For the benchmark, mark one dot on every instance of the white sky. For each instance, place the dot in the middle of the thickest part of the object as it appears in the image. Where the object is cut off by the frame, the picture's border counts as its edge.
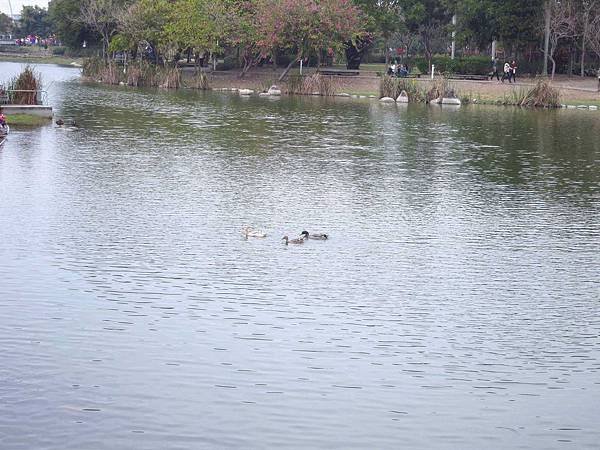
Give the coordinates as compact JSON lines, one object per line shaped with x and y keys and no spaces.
{"x":17,"y":5}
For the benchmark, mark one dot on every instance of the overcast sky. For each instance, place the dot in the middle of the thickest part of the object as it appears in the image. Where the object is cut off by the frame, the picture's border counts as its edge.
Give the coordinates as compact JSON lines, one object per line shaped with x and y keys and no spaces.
{"x":17,"y":5}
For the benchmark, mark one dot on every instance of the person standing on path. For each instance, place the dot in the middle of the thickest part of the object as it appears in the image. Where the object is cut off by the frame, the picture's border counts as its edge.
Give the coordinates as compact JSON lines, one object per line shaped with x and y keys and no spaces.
{"x":495,"y":69}
{"x":513,"y":72}
{"x":506,"y":73}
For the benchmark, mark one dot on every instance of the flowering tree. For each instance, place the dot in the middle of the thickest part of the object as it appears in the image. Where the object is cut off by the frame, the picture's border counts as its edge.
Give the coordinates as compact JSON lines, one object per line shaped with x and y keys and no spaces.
{"x":243,"y":34}
{"x":305,"y":26}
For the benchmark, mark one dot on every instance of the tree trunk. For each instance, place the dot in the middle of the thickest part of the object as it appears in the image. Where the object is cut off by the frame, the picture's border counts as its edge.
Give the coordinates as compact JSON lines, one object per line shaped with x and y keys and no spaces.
{"x":387,"y":51}
{"x":547,"y":16}
{"x":571,"y":61}
{"x":553,"y":65}
{"x":289,"y":67}
{"x":583,"y":42}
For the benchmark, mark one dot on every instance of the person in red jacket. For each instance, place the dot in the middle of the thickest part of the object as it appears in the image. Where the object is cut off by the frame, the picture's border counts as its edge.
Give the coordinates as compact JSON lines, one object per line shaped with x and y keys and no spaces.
{"x":513,"y":66}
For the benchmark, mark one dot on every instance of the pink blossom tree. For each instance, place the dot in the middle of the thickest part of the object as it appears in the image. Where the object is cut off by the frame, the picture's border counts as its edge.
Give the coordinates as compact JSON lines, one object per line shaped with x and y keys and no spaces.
{"x":305,"y":27}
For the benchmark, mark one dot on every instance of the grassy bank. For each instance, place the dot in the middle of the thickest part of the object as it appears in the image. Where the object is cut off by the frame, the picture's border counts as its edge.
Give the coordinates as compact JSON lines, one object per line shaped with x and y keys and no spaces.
{"x":27,"y":120}
{"x":59,"y":60}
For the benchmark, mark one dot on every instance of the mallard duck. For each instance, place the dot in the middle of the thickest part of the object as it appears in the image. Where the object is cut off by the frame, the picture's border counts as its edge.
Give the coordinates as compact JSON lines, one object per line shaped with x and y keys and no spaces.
{"x":292,"y":241}
{"x":249,"y":232}
{"x":316,"y":236}
{"x":60,"y":122}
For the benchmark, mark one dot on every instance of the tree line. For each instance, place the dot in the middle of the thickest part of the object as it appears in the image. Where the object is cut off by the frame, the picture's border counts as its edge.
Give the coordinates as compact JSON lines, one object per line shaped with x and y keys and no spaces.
{"x":561,"y":34}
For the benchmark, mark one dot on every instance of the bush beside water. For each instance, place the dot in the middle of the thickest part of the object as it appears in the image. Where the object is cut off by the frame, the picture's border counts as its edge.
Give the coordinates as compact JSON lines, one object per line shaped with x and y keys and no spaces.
{"x":392,"y":87}
{"x":139,"y":74}
{"x":28,"y":80}
{"x":312,"y":84}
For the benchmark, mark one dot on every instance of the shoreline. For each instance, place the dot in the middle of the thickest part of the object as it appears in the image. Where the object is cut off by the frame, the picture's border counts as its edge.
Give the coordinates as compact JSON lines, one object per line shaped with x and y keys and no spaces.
{"x":574,"y":91}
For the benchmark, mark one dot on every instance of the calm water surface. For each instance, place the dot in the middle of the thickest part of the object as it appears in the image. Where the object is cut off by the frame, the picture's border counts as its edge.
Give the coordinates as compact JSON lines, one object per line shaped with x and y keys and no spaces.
{"x":456,"y":305}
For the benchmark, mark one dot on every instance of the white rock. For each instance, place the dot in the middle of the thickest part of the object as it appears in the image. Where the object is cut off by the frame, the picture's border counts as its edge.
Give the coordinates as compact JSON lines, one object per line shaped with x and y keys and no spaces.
{"x":582,"y":106}
{"x":593,"y":107}
{"x":571,"y":106}
{"x":387,"y":100}
{"x":264,"y":94}
{"x":402,"y":98}
{"x":274,"y":90}
{"x":450,"y":101}
{"x":246,"y":91}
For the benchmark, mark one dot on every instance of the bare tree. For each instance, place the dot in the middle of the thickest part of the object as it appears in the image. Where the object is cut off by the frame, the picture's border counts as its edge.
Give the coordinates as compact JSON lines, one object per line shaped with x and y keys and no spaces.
{"x":101,"y":16}
{"x":563,"y":25}
{"x":588,"y":11}
{"x":594,"y":39}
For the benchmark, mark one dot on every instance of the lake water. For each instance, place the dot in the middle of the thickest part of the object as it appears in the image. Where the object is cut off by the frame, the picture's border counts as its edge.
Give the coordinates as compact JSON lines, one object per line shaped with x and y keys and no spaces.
{"x":456,"y":305}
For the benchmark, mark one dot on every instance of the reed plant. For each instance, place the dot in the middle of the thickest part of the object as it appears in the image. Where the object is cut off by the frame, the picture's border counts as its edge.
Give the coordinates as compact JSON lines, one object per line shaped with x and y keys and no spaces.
{"x":312,"y":84}
{"x":200,"y":81}
{"x":393,"y":87}
{"x":169,"y":77}
{"x":25,"y":87}
{"x":440,"y":88}
{"x":542,"y":95}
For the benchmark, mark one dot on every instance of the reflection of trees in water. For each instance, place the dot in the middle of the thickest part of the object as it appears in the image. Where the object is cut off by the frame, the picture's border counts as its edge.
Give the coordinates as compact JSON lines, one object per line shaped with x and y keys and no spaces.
{"x":553,"y":149}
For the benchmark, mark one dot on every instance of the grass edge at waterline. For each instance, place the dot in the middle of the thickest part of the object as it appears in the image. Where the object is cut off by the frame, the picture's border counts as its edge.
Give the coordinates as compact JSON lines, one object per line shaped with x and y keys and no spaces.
{"x":27,"y":120}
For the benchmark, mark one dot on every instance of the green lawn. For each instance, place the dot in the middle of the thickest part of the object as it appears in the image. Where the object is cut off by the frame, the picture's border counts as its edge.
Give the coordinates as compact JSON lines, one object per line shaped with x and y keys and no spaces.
{"x":60,"y":60}
{"x":26,"y":119}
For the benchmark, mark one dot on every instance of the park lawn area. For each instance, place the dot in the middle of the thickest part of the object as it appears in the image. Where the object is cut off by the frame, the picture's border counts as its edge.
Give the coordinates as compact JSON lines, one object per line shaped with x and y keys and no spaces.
{"x":59,"y":60}
{"x":27,"y":119}
{"x":371,"y":67}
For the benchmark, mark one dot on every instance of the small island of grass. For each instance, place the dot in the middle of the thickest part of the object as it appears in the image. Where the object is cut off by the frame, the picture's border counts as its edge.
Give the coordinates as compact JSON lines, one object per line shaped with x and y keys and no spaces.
{"x":27,"y":120}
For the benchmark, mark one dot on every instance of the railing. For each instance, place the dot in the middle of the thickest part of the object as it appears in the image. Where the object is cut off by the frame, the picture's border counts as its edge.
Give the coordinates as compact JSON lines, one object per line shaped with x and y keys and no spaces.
{"x":23,"y":97}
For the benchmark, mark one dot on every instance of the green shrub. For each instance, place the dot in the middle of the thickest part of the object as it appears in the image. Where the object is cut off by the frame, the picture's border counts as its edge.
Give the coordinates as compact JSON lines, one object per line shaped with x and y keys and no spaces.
{"x":58,"y":51}
{"x":229,"y":62}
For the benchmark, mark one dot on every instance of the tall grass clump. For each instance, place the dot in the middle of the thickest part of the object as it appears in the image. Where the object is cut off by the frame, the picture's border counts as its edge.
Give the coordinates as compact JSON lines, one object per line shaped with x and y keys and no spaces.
{"x":440,"y":88}
{"x":28,"y":80}
{"x":98,"y":69}
{"x":169,"y":77}
{"x":393,"y":87}
{"x":542,"y":95}
{"x":312,"y":84}
{"x":199,"y":81}
{"x":91,"y":67}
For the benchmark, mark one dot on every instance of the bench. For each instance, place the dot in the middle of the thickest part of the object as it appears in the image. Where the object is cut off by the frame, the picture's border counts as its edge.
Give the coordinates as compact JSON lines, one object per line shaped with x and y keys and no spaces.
{"x":339,"y":72}
{"x":468,"y":77}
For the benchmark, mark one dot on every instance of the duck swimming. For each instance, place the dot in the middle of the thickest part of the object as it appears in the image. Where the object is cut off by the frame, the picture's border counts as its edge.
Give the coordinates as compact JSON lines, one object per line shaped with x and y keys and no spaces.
{"x":292,"y":241}
{"x":60,"y":122}
{"x":315,"y":236}
{"x":249,"y":232}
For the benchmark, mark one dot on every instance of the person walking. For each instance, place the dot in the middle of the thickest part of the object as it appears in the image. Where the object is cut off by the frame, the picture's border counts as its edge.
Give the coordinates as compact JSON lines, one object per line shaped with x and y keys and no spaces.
{"x":495,"y":69}
{"x":513,"y":70}
{"x":506,"y":74}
